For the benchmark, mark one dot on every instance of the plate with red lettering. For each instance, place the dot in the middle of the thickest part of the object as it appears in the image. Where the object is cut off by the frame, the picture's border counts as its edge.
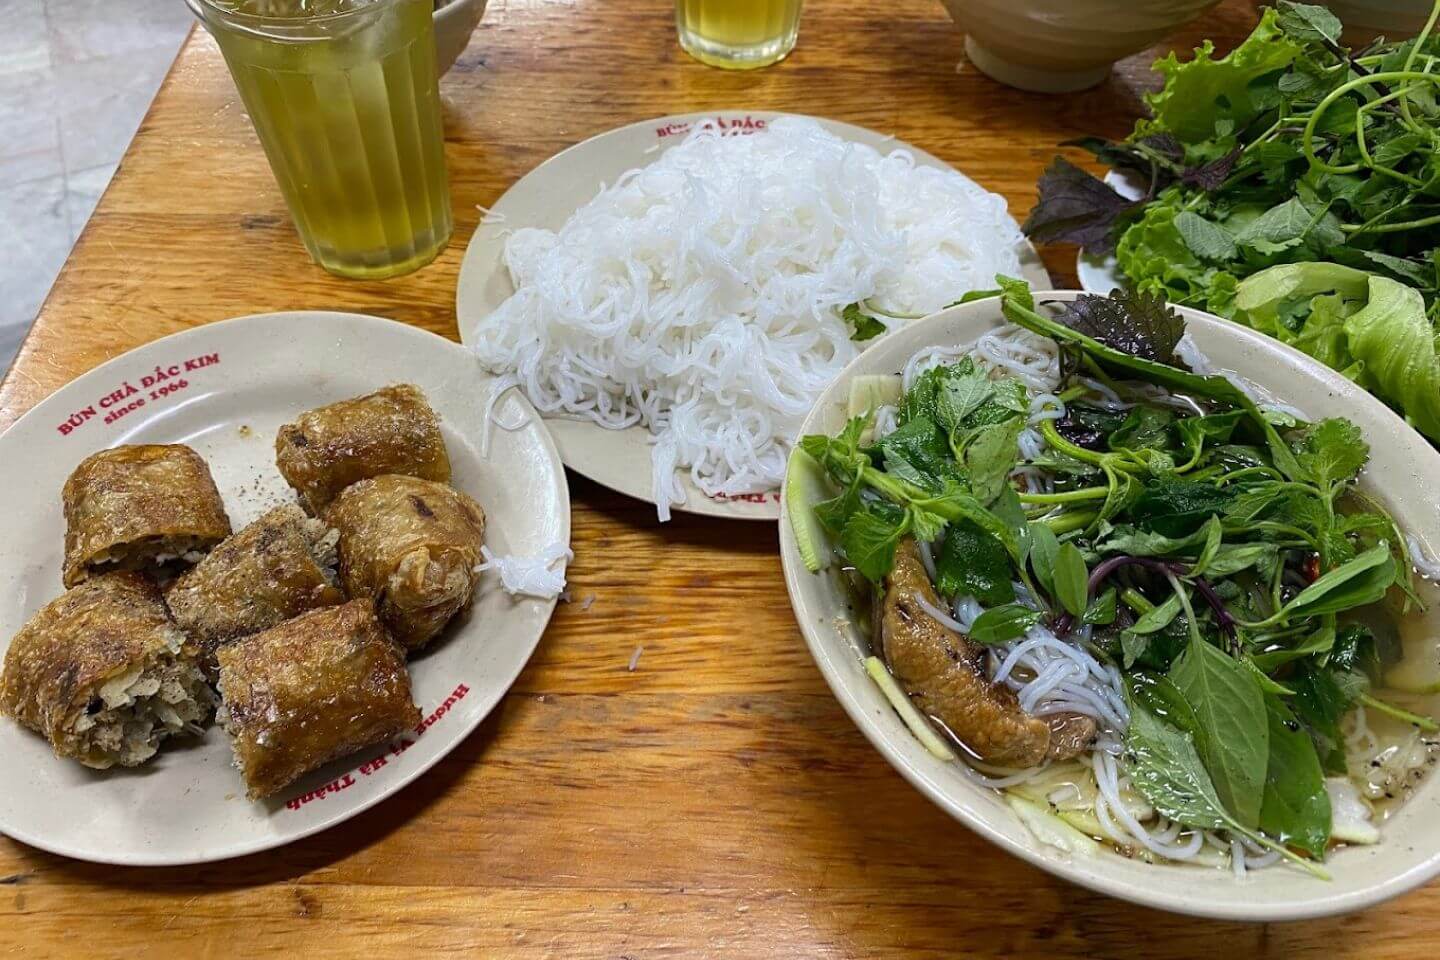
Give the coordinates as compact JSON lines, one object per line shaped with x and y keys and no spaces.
{"x":224,"y":389}
{"x":546,"y":197}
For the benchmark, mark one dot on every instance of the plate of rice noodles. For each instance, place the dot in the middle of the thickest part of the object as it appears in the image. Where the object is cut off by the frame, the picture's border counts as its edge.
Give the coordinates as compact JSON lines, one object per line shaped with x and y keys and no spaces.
{"x":1139,"y":595}
{"x":673,"y":295}
{"x":262,"y":575}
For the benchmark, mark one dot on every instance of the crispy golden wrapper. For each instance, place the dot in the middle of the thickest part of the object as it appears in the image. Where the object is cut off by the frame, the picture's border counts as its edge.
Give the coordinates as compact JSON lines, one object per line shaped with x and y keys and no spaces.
{"x":392,"y":430}
{"x":412,"y":545}
{"x":310,"y":691}
{"x":103,"y":674}
{"x":276,"y":568}
{"x":133,"y":507}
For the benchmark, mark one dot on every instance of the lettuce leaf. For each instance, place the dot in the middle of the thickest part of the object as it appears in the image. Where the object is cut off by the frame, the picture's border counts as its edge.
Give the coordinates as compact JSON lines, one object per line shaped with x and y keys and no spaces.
{"x":1205,"y":91}
{"x":1371,"y":328}
{"x":1394,"y":341}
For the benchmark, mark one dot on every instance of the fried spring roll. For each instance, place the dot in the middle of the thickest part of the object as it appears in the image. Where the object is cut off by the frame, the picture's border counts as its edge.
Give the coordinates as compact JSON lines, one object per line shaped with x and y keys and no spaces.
{"x":412,"y":546}
{"x":134,"y":507}
{"x":309,"y":691}
{"x":393,"y":430}
{"x":276,"y":568}
{"x":103,"y":674}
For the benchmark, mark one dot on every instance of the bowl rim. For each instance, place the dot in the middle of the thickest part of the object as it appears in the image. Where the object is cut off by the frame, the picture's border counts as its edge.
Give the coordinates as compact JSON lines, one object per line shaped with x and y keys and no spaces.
{"x":1093,"y":873}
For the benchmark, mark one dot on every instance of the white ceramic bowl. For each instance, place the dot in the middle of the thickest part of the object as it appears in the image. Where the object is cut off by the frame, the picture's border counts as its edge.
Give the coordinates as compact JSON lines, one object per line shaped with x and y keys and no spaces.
{"x":455,"y":20}
{"x":1056,"y":46}
{"x":1402,"y":473}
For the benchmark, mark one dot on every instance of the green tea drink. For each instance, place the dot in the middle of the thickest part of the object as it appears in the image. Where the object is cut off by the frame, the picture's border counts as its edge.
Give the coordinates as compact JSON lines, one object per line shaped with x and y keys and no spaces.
{"x":343,"y":95}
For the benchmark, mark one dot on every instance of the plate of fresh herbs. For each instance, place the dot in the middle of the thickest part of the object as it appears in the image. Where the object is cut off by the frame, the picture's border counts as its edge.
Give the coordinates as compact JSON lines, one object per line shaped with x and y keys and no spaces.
{"x":1293,"y":186}
{"x":1132,"y":592}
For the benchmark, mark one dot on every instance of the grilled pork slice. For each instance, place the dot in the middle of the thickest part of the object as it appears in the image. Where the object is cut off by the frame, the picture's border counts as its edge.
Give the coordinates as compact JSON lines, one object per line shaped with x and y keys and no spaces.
{"x":103,"y":674}
{"x":945,"y":674}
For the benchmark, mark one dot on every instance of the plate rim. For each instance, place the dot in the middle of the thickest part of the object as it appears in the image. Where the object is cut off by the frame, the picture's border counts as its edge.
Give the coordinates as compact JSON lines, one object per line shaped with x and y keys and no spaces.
{"x":1032,"y":266}
{"x":956,"y":804}
{"x":410,"y":774}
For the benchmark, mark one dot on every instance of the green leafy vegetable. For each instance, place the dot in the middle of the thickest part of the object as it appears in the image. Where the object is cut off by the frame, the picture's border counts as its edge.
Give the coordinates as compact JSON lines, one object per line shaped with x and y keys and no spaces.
{"x":1000,"y":625}
{"x":862,"y":325}
{"x":1232,"y":734}
{"x":973,"y":563}
{"x":1071,"y":579}
{"x":1296,"y":808}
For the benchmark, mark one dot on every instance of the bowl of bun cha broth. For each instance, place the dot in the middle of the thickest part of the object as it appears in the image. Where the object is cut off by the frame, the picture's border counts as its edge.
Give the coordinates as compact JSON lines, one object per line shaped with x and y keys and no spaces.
{"x":1122,"y":747}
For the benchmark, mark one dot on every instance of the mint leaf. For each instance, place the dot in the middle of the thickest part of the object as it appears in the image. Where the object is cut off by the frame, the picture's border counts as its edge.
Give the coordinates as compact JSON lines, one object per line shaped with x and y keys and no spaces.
{"x":1309,"y":23}
{"x":1207,"y":240}
{"x":991,"y":457}
{"x":972,"y":563}
{"x":871,"y":536}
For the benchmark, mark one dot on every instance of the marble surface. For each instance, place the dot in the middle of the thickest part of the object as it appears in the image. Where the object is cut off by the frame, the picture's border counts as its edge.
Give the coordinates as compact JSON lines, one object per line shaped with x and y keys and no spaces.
{"x":76,"y":77}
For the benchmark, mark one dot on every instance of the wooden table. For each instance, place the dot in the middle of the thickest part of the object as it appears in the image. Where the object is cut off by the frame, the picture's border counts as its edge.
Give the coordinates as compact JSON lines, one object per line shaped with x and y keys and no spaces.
{"x":716,"y":801}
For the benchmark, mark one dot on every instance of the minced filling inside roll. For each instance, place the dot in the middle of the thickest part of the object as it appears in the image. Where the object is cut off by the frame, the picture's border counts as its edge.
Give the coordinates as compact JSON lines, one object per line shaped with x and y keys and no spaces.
{"x":131,"y":713}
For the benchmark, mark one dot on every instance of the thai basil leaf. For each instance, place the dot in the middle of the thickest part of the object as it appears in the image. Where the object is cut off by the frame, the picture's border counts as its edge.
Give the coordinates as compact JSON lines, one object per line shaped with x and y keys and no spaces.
{"x":1361,"y":581}
{"x":1102,"y":610}
{"x":1044,"y":547}
{"x":1295,"y":809}
{"x":1071,"y":579}
{"x":1000,"y":625}
{"x":1233,"y":735}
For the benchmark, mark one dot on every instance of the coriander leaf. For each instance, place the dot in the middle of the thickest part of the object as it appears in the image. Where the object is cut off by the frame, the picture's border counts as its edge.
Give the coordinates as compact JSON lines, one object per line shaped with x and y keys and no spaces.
{"x":1000,"y":625}
{"x":1136,"y":324}
{"x":862,"y":326}
{"x":973,"y":563}
{"x":1232,"y":736}
{"x":1071,"y":579}
{"x":871,"y":536}
{"x":1044,"y":548}
{"x":1075,"y":207}
{"x":1207,"y":240}
{"x":990,"y":457}
{"x":1331,"y":452}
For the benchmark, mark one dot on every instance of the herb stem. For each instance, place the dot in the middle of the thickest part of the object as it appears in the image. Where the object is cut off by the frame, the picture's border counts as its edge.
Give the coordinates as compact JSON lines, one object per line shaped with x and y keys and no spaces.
{"x":1069,"y":496}
{"x":1389,"y":709}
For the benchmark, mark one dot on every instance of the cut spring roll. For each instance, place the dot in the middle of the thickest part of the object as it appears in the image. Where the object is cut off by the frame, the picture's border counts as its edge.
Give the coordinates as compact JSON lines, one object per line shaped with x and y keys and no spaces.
{"x":393,"y":430}
{"x":136,"y":507}
{"x":103,"y":674}
{"x":412,"y":546}
{"x":276,"y":568}
{"x":312,"y":690}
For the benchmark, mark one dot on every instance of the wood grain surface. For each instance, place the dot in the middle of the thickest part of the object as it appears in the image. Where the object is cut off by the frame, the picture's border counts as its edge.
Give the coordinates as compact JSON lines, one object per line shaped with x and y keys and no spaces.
{"x":716,"y":801}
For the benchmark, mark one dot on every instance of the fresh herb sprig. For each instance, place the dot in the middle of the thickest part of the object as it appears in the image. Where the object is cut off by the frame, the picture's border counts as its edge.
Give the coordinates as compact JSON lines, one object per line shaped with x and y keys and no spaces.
{"x":1292,"y":185}
{"x":1217,"y":552}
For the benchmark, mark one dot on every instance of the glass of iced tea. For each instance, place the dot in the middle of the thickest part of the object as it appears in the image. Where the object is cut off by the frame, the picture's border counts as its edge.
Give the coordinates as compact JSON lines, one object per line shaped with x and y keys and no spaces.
{"x":344,"y":98}
{"x":738,"y":34}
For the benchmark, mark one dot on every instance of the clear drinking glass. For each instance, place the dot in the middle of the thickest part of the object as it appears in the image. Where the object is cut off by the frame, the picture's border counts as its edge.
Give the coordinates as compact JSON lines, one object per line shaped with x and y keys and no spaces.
{"x":344,"y":97}
{"x":738,"y":34}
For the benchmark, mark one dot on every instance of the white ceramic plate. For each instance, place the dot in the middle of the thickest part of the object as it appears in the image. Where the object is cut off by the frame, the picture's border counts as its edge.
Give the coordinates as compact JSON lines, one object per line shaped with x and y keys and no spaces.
{"x":1401,"y":473}
{"x":545,"y":198}
{"x":232,"y":385}
{"x":1102,"y":274}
